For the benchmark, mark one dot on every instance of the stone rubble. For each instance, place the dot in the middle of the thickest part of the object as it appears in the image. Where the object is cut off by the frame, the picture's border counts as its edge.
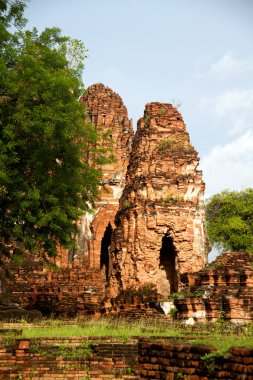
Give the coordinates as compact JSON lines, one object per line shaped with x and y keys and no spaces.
{"x":221,"y":291}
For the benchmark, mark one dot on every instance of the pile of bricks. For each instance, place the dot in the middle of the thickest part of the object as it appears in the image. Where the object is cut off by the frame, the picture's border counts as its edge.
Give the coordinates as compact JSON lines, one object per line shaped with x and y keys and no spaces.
{"x":136,"y":307}
{"x":224,"y":287}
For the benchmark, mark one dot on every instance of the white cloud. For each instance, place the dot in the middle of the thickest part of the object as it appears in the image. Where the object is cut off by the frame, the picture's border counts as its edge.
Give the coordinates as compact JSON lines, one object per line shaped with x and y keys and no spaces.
{"x":232,"y":110}
{"x":229,"y":166}
{"x":241,"y":123}
{"x":233,"y":100}
{"x":228,"y":66}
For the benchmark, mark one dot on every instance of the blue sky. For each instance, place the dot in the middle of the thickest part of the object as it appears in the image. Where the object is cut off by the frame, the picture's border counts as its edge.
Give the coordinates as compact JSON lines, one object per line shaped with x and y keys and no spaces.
{"x":197,"y":53}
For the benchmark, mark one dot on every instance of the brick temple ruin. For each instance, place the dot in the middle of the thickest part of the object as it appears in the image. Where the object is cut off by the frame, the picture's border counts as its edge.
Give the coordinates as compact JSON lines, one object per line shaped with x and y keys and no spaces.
{"x":106,"y":111}
{"x":147,"y":228}
{"x":160,"y":226}
{"x":153,"y":192}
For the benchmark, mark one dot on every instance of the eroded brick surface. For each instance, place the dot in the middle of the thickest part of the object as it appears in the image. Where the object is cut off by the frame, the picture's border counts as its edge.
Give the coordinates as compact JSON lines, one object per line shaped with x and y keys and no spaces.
{"x":160,"y":231}
{"x":67,"y":292}
{"x":223,"y":289}
{"x":52,"y":358}
{"x":59,"y":359}
{"x":184,"y":361}
{"x":107,"y":112}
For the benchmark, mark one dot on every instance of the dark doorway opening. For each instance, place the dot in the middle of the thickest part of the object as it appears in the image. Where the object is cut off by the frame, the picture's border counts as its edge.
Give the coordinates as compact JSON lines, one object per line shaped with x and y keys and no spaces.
{"x":71,"y":254}
{"x":168,"y":261}
{"x":105,"y":250}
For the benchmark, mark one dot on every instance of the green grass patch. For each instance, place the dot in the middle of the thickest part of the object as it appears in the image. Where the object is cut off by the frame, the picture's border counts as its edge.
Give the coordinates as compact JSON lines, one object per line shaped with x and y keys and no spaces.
{"x":66,"y":352}
{"x":99,"y":328}
{"x":220,"y":335}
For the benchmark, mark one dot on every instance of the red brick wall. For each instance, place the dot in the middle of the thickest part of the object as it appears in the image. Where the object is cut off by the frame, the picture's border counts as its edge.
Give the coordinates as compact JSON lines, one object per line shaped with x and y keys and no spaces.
{"x":225,"y":285}
{"x":172,"y":361}
{"x":66,"y":292}
{"x":110,"y":359}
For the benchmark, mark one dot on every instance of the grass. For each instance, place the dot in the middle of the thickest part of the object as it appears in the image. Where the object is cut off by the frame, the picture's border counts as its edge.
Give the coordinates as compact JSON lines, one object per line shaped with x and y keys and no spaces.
{"x":99,"y":328}
{"x":220,"y":335}
{"x":65,"y":351}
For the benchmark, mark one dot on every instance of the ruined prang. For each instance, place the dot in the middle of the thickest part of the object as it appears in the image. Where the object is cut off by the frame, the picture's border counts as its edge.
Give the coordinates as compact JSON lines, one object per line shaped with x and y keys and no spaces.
{"x":106,"y":111}
{"x":160,"y":226}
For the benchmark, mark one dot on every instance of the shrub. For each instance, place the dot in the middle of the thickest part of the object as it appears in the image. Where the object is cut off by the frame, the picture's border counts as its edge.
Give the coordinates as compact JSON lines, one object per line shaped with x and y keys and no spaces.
{"x":127,"y":204}
{"x":174,"y":145}
{"x":173,"y":313}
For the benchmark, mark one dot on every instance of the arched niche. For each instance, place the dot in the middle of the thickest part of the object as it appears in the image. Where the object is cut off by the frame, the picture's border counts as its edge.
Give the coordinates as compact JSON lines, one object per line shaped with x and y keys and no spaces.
{"x":105,"y":251}
{"x":168,"y":264}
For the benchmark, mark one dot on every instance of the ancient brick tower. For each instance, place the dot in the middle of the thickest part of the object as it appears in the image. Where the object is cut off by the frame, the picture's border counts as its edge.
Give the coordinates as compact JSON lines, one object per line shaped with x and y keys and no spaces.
{"x":107,"y":111}
{"x":160,"y":231}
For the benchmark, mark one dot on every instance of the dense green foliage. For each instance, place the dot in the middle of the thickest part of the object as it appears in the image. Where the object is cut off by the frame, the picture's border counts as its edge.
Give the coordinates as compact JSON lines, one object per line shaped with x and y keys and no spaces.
{"x":230,"y":220}
{"x":49,"y":172}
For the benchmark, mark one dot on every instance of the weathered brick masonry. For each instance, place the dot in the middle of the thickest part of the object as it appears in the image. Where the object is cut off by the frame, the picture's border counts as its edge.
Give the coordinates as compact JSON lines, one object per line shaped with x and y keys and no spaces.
{"x":78,"y":287}
{"x":67,"y":292}
{"x":153,"y":192}
{"x":171,"y":361}
{"x":113,"y":359}
{"x":224,"y":288}
{"x":42,"y":359}
{"x":160,"y":226}
{"x":107,"y":112}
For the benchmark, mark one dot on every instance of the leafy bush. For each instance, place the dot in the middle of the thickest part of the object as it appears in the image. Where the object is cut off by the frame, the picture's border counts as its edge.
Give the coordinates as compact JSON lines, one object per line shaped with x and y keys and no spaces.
{"x":173,"y":313}
{"x":175,"y":145}
{"x":230,"y":221}
{"x":127,"y":204}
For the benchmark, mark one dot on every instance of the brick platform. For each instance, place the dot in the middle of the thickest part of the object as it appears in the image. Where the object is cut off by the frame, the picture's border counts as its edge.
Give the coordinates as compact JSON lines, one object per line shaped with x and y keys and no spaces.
{"x":111,"y":358}
{"x":172,"y":361}
{"x":34,"y":359}
{"x":224,"y":287}
{"x":67,"y":292}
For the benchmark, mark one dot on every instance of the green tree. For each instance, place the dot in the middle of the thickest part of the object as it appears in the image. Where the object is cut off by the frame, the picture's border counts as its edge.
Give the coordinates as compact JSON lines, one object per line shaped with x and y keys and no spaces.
{"x":230,"y":220}
{"x":47,"y":178}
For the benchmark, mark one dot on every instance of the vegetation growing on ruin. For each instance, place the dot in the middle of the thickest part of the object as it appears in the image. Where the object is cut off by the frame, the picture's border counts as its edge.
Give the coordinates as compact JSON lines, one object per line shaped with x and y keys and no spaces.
{"x":162,"y":112}
{"x":126,"y":204}
{"x":145,"y":290}
{"x":221,"y":334}
{"x":66,"y":352}
{"x":172,"y":198}
{"x":174,"y":145}
{"x":186,"y":294}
